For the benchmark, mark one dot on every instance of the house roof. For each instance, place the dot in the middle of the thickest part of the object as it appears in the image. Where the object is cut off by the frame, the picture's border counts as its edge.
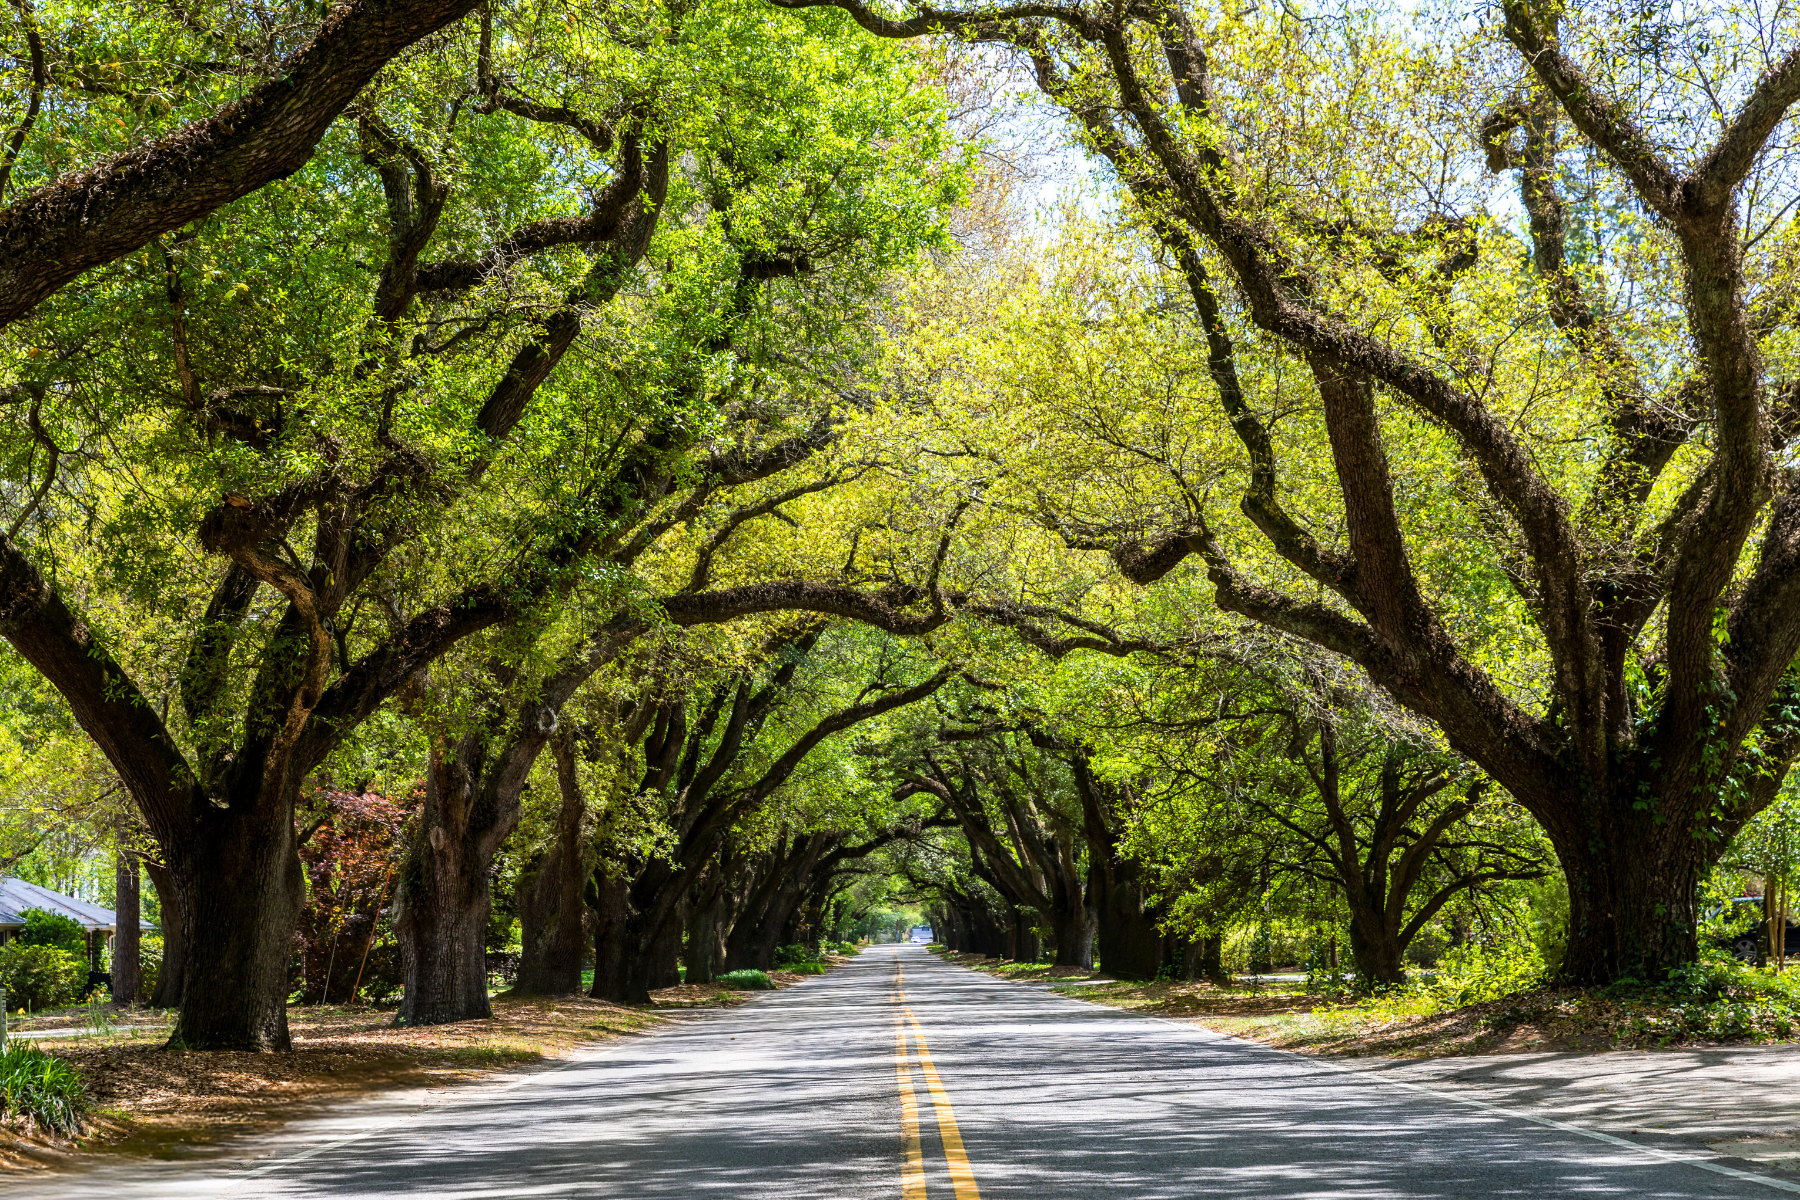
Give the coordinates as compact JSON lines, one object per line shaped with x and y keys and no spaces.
{"x":16,"y":896}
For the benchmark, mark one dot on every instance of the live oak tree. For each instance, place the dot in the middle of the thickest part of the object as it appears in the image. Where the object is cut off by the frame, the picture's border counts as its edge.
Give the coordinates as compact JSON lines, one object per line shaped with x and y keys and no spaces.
{"x":380,"y":377}
{"x":1599,"y":395}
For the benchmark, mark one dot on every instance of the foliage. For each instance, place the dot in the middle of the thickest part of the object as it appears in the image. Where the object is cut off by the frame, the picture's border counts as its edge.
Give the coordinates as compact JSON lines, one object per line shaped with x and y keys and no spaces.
{"x":805,"y":968}
{"x":1473,"y":973}
{"x":44,"y":928}
{"x":150,"y":957}
{"x":38,"y":977}
{"x":749,"y":979}
{"x":786,"y":956}
{"x":350,"y":855}
{"x":42,"y":1089}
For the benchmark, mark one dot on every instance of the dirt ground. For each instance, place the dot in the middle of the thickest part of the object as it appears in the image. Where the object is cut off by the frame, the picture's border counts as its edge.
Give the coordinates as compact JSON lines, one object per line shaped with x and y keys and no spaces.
{"x":150,"y":1100}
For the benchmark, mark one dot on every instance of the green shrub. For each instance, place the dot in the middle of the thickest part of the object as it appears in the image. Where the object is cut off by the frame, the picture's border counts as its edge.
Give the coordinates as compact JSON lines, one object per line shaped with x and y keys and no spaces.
{"x":40,"y":976}
{"x":788,"y":955}
{"x":150,"y":956}
{"x":1472,"y":973}
{"x":53,"y":929}
{"x":750,"y":980}
{"x":842,"y":948}
{"x":806,"y":968}
{"x":43,"y":1088}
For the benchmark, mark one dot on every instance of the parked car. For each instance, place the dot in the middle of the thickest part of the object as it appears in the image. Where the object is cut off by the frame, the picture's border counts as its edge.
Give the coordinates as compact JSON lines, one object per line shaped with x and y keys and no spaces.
{"x":1752,"y":945}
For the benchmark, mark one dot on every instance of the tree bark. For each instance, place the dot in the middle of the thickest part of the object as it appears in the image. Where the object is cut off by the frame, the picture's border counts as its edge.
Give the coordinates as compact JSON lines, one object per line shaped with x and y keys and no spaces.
{"x":1632,"y":906}
{"x":441,"y":909}
{"x":1126,"y":935}
{"x":701,"y":951}
{"x":1378,"y":955}
{"x":610,"y":898}
{"x":127,"y":966}
{"x":167,"y":993}
{"x":550,"y":909}
{"x":758,"y":931}
{"x":240,"y":889}
{"x":1074,"y":927}
{"x":1204,"y":958}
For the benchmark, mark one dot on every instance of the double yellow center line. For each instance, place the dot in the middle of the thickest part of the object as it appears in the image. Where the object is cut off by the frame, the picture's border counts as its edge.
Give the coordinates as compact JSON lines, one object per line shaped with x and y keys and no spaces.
{"x":912,"y":1173}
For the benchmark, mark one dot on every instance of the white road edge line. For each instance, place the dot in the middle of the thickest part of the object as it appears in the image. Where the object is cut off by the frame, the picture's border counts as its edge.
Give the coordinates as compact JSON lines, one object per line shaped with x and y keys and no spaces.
{"x":1705,"y":1164}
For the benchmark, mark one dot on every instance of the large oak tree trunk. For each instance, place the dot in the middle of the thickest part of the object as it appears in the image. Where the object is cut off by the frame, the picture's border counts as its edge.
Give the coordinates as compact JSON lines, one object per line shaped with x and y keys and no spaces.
{"x":709,"y":924}
{"x":441,"y":920}
{"x":240,"y":889}
{"x":441,"y":910}
{"x":665,"y":957}
{"x":1374,"y":949}
{"x":1126,"y":926}
{"x":1025,"y":944}
{"x":610,"y":898}
{"x":551,"y":938}
{"x":1204,"y":958}
{"x":1632,"y":908}
{"x":1074,"y":927}
{"x":637,"y":937}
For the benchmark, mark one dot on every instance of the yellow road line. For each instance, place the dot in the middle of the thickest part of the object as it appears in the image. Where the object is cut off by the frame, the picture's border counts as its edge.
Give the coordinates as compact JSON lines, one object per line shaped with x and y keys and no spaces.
{"x":962,"y":1175}
{"x":912,"y":1175}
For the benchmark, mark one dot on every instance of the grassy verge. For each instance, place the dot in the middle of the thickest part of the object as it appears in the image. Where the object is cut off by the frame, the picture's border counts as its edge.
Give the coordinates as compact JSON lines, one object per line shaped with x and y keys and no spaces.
{"x":1715,"y":1003}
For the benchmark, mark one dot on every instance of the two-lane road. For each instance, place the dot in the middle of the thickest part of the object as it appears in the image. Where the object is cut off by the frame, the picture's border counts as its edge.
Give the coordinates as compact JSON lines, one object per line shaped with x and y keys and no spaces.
{"x":898,"y":1076}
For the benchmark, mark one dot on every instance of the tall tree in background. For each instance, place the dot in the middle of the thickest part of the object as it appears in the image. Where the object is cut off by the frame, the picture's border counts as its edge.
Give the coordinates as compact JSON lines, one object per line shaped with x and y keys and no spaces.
{"x":1329,"y":172}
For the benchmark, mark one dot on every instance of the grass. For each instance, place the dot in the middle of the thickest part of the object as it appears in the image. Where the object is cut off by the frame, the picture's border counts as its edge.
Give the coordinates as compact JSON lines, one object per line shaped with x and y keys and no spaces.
{"x":805,"y":968}
{"x":42,"y":1089}
{"x":1472,"y":1007}
{"x":748,"y":979}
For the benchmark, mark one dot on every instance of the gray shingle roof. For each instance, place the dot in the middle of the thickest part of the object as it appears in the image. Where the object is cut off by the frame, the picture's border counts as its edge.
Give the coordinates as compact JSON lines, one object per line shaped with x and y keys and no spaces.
{"x":16,"y":896}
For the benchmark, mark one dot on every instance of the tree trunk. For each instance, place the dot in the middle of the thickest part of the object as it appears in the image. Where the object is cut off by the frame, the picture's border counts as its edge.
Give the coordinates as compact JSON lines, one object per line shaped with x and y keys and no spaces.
{"x":441,"y":910}
{"x":1204,"y":958}
{"x":127,"y":967}
{"x":240,"y":888}
{"x":1025,"y":943}
{"x":707,"y":928}
{"x":610,"y":898}
{"x":1375,"y":951}
{"x":1126,"y":935}
{"x":550,"y":909}
{"x":1632,"y":906}
{"x":1074,"y":927}
{"x":167,"y":993}
{"x":665,"y":957}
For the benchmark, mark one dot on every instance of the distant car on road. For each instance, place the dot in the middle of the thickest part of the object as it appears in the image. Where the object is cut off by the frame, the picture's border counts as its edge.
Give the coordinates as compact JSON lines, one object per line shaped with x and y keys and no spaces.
{"x":921,"y":933}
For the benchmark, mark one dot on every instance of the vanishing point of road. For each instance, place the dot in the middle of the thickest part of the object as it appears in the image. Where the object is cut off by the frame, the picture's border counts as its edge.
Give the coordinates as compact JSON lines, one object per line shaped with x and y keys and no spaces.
{"x":902,"y":1077}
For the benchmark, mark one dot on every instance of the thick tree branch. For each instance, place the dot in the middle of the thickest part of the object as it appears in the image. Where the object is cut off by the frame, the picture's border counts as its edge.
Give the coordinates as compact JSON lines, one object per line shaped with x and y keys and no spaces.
{"x":81,"y":221}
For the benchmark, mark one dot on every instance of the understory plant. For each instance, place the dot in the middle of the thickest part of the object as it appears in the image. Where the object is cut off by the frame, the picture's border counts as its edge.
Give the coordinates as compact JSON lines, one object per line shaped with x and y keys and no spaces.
{"x":38,"y":977}
{"x":748,"y":979}
{"x":43,"y":1090}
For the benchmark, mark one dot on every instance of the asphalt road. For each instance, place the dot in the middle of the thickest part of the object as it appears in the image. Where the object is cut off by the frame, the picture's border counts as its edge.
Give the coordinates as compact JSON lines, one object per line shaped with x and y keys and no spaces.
{"x":898,"y":1076}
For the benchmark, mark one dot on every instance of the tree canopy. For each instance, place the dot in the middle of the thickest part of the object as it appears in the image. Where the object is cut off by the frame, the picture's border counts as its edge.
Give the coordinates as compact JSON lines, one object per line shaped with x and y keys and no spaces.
{"x":656,"y":461}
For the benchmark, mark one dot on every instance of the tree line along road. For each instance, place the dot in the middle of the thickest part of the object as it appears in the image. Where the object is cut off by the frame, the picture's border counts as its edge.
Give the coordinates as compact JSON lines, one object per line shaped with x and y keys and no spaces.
{"x":900,"y":1075}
